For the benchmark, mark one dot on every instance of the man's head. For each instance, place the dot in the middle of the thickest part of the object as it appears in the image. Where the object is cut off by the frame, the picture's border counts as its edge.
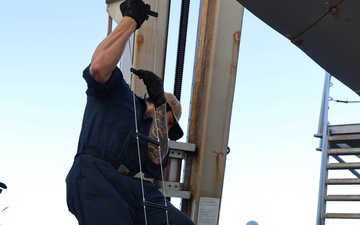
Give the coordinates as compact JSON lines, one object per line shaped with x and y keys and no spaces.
{"x":173,"y":103}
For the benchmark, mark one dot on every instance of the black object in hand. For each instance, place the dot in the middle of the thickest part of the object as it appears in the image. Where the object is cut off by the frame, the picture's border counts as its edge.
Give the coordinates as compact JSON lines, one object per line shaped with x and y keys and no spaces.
{"x":154,"y":86}
{"x":137,"y":10}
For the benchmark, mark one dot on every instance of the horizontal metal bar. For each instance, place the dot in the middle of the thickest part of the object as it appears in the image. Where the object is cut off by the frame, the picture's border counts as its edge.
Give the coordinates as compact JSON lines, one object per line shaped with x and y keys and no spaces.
{"x":344,"y":151}
{"x":155,"y":205}
{"x":344,"y":129}
{"x":177,"y":186}
{"x":342,"y":215}
{"x":343,"y":181}
{"x":187,"y":147}
{"x":146,"y":138}
{"x":340,"y":160}
{"x":344,"y":137}
{"x":342,"y":198}
{"x":176,"y":194}
{"x":111,"y":1}
{"x":335,"y":166}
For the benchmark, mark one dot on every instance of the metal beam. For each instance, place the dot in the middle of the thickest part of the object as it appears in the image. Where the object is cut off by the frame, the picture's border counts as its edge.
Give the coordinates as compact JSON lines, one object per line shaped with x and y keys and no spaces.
{"x":149,"y":42}
{"x":328,"y":32}
{"x":212,"y":97}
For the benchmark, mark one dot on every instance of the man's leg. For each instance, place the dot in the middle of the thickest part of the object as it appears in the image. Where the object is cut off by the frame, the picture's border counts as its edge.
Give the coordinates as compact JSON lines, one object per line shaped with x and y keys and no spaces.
{"x":99,"y":194}
{"x":157,"y":216}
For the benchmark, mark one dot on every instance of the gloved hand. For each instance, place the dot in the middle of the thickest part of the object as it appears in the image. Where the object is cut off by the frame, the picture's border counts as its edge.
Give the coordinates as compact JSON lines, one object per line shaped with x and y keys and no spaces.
{"x":154,"y":86}
{"x":136,"y":9}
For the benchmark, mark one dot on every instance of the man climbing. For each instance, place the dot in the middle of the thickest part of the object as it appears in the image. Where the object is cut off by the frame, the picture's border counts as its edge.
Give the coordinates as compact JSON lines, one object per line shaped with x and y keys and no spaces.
{"x":111,"y":179}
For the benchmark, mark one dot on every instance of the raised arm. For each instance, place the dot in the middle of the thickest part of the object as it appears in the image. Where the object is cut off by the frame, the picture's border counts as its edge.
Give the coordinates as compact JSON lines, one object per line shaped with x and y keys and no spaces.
{"x":158,"y":131}
{"x":109,"y":51}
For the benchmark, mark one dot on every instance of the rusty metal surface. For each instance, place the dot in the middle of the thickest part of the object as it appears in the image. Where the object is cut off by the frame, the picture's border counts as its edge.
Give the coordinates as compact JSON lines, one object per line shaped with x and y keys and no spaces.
{"x":149,"y":42}
{"x":327,"y":31}
{"x":212,"y":96}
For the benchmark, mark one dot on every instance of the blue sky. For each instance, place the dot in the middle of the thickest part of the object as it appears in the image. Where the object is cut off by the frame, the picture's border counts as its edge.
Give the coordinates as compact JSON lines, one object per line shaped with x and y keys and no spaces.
{"x":272,"y":171}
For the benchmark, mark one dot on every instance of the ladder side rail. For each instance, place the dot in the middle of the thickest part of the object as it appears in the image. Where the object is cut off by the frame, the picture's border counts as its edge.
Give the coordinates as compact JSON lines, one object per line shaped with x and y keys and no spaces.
{"x":323,"y":128}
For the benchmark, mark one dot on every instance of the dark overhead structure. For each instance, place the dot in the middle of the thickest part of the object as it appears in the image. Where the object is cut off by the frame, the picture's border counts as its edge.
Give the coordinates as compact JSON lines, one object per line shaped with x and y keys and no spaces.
{"x":327,"y":31}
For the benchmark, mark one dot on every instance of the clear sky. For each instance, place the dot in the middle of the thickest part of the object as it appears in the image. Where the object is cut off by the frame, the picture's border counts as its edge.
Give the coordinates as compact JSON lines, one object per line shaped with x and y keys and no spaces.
{"x":272,"y":171}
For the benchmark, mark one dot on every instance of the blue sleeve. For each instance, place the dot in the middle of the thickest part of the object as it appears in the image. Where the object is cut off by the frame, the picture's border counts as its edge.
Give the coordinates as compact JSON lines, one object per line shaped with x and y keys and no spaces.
{"x":95,"y":88}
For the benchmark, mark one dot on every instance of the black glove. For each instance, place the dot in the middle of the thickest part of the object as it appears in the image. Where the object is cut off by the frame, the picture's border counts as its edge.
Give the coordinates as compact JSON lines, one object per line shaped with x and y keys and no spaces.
{"x":154,"y":86}
{"x":136,"y":9}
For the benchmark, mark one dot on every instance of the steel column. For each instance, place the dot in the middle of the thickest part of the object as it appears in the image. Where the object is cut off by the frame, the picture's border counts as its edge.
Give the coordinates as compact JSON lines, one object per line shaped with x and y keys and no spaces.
{"x":150,"y":44}
{"x":212,"y":97}
{"x":148,"y":48}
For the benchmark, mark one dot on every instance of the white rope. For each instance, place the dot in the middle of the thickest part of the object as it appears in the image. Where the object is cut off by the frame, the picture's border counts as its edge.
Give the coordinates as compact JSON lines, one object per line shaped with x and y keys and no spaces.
{"x":157,"y":131}
{"x":136,"y":128}
{"x":139,"y":158}
{"x":160,"y":155}
{"x":162,"y":173}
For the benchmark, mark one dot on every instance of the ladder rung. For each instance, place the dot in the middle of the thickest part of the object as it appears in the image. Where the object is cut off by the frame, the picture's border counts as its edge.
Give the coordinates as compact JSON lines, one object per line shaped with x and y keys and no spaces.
{"x":344,"y":181}
{"x":344,"y":137}
{"x":342,"y":215}
{"x":344,"y":151}
{"x":343,"y":166}
{"x":146,"y":138}
{"x":155,"y":205}
{"x":342,"y":198}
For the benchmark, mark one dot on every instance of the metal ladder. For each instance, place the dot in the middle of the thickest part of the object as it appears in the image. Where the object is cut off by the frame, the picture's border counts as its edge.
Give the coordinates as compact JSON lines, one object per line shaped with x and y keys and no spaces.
{"x":339,"y":186}
{"x":177,"y":174}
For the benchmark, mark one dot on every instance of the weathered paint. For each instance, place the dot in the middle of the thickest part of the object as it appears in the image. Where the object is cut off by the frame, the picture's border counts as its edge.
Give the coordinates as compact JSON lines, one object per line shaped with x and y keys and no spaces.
{"x":212,"y":95}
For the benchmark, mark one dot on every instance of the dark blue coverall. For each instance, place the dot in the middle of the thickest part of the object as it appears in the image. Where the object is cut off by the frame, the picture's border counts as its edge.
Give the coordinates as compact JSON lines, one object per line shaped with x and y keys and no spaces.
{"x":97,"y":193}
